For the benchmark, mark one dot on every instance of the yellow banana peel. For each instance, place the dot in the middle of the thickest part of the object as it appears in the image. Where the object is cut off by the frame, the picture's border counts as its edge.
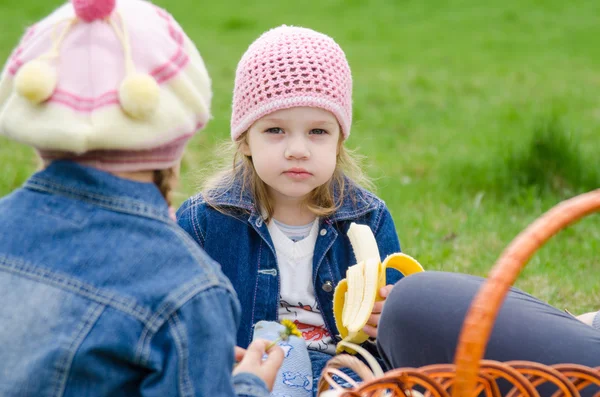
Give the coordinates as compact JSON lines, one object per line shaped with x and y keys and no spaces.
{"x":355,"y":296}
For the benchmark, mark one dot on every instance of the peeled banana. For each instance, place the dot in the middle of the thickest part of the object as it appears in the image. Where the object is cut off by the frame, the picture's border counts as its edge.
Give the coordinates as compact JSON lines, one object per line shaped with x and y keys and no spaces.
{"x":355,"y":296}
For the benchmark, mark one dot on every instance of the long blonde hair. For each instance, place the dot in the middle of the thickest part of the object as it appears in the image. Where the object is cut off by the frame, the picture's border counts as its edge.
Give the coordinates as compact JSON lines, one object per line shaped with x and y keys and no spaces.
{"x":322,"y":201}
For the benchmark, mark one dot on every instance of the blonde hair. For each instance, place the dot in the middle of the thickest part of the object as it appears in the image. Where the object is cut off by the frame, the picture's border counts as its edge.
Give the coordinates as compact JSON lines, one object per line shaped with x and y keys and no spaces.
{"x":166,"y":180}
{"x":322,"y":201}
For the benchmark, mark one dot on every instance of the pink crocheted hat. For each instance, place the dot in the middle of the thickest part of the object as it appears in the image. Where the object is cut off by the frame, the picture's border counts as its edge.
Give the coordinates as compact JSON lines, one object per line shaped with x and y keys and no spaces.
{"x":288,"y":67}
{"x":115,"y":84}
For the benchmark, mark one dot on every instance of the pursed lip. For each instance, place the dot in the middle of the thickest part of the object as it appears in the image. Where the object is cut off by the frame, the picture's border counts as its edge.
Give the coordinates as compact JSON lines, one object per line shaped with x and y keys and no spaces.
{"x":297,"y":170}
{"x":296,"y":173}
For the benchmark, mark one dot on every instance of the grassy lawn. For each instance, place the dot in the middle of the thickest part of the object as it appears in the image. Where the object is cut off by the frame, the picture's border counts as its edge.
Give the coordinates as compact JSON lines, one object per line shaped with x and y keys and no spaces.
{"x":474,"y":118}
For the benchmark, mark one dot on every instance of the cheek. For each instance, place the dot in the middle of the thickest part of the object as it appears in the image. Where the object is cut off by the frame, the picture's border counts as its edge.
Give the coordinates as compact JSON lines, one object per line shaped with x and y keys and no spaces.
{"x":256,"y":149}
{"x":263,"y":163}
{"x":329,"y":160}
{"x":261,"y":166}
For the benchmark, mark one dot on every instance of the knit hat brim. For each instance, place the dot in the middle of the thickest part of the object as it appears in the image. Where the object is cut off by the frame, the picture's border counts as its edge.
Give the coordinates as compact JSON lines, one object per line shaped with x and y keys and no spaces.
{"x":280,"y":103}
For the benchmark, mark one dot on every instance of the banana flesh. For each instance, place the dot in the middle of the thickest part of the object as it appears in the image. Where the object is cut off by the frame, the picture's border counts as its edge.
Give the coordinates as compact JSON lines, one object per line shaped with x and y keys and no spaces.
{"x":355,"y":296}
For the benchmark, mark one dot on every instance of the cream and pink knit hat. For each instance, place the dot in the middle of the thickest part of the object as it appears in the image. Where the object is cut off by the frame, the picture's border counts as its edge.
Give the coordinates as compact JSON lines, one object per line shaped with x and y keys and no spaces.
{"x":288,"y":67}
{"x":115,"y":84}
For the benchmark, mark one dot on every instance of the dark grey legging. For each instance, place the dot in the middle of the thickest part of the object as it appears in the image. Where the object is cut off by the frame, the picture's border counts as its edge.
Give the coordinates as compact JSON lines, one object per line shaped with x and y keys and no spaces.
{"x":423,"y":316}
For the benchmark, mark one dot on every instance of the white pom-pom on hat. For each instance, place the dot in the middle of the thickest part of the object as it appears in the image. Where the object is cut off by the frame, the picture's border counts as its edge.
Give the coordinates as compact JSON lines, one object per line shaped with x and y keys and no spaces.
{"x":36,"y":81}
{"x":139,"y":95}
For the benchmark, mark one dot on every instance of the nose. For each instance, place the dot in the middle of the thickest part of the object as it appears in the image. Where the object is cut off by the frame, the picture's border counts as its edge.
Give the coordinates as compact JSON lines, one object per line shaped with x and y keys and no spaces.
{"x":297,"y":148}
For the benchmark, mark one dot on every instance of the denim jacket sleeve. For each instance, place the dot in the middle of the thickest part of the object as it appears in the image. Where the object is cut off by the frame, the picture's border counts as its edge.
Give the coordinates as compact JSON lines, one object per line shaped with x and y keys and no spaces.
{"x":193,"y":351}
{"x":186,"y":218}
{"x":387,"y":241}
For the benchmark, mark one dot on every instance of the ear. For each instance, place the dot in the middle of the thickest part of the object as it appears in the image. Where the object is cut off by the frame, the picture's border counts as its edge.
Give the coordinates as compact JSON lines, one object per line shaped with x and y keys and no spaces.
{"x":245,"y":148}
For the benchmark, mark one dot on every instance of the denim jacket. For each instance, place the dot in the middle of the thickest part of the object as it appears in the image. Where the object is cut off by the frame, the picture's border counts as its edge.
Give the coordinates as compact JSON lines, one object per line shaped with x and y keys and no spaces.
{"x":241,"y":243}
{"x":104,"y":295}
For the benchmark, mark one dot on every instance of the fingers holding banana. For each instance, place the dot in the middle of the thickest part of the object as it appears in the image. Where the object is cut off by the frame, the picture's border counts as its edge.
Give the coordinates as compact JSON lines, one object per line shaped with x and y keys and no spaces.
{"x":373,"y":321}
{"x":384,"y":292}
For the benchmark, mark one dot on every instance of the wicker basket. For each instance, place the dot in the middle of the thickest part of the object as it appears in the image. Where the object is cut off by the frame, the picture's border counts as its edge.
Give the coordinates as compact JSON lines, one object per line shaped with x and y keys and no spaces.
{"x":470,"y":375}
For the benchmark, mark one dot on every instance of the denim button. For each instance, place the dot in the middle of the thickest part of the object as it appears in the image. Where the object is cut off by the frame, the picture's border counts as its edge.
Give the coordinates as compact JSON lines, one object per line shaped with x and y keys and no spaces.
{"x":323,"y":232}
{"x":259,"y":222}
{"x":327,"y":286}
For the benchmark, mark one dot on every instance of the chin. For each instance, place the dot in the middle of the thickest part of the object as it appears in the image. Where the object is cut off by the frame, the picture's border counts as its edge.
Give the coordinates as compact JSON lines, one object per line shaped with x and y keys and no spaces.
{"x":296,"y":194}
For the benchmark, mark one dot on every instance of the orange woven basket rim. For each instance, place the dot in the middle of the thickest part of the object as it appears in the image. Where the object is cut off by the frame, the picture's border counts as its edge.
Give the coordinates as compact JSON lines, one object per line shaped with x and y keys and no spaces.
{"x":484,"y":309}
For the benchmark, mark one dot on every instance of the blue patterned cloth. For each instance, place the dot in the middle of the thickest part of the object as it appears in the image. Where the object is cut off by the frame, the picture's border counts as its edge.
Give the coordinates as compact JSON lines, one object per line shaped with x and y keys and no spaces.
{"x":295,"y":377}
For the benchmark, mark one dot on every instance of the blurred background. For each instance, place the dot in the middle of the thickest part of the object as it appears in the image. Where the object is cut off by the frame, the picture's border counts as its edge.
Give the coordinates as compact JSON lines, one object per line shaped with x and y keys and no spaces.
{"x":473,"y":117}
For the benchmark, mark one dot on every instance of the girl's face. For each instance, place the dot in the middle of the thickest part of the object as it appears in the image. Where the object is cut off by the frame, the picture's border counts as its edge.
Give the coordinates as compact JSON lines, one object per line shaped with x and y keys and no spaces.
{"x":293,"y":150}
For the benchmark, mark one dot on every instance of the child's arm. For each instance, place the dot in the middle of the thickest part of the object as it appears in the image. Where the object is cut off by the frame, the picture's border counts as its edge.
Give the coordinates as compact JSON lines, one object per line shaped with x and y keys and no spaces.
{"x":192,"y":354}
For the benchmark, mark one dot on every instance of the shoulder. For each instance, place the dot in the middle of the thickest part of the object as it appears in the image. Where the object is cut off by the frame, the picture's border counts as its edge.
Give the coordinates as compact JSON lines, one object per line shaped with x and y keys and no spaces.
{"x":359,"y":203}
{"x":197,"y":215}
{"x":230,"y":197}
{"x":364,"y":207}
{"x":200,"y":207}
{"x":193,"y":206}
{"x":177,"y":256}
{"x":182,"y":270}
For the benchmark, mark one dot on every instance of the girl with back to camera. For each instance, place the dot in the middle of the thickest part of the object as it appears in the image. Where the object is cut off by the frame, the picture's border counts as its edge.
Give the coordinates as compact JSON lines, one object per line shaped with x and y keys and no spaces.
{"x":103,"y":294}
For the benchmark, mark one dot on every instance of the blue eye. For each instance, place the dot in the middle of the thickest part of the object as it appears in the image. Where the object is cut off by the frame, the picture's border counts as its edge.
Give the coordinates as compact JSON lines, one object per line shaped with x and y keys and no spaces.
{"x":318,"y":131}
{"x":274,"y":130}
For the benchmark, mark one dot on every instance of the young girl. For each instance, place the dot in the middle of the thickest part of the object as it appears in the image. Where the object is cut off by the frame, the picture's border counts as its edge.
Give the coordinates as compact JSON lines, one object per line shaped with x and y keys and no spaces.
{"x":277,"y":221}
{"x":102,"y":293}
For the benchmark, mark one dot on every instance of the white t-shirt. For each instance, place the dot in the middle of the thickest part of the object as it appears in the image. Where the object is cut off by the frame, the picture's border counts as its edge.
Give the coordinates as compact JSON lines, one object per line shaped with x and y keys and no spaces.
{"x":295,"y":246}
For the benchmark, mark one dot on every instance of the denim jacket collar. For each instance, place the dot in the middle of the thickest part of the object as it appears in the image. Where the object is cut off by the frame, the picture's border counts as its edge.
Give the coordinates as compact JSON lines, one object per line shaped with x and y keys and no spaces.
{"x":100,"y":188}
{"x":356,"y":202}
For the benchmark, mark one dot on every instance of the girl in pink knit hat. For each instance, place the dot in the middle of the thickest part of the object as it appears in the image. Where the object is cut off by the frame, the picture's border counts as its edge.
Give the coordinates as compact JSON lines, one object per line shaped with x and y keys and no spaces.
{"x":102,"y":293}
{"x":277,"y":221}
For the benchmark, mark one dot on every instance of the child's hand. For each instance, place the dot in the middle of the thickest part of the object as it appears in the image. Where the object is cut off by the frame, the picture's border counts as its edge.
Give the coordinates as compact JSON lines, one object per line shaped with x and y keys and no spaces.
{"x":371,"y":327}
{"x":252,"y":361}
{"x":239,"y":353}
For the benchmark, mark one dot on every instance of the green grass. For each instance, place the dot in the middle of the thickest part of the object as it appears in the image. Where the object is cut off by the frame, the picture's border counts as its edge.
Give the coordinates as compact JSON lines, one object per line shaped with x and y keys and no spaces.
{"x":475,"y":118}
